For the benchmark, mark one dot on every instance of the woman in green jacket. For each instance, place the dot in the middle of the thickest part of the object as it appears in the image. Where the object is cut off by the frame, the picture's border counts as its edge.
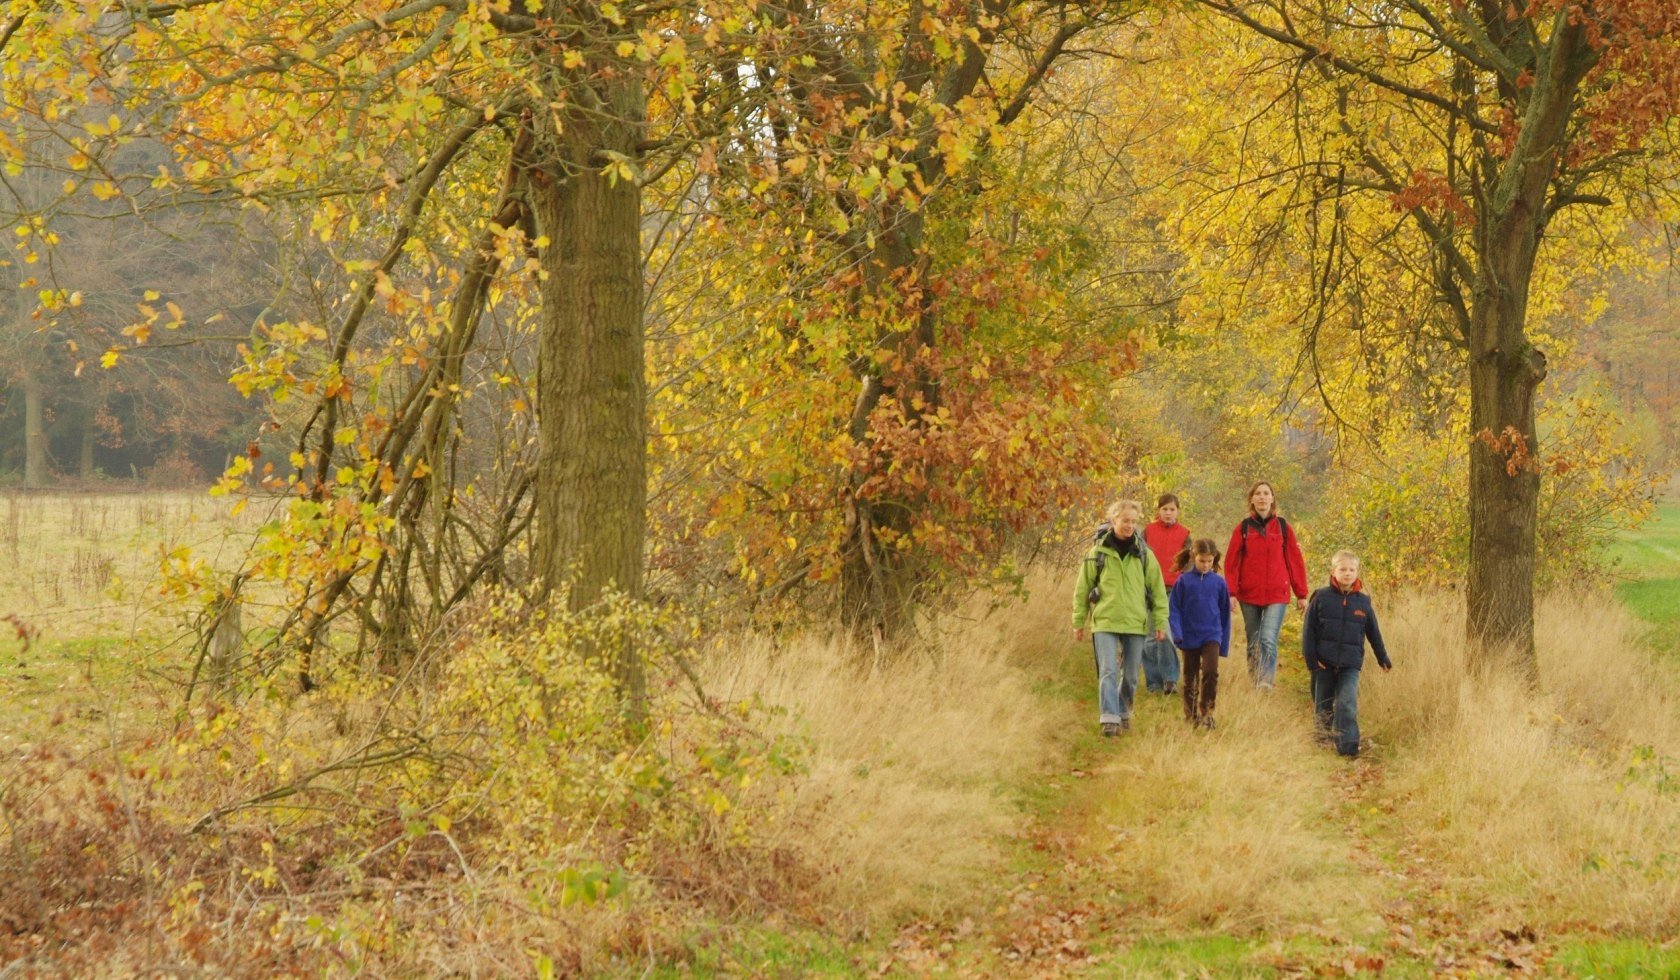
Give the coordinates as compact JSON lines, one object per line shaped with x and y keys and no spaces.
{"x":1121,"y":597}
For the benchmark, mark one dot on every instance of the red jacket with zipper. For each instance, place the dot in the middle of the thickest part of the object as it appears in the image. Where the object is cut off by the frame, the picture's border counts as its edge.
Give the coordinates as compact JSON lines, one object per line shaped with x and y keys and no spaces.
{"x":1166,"y":540}
{"x":1264,"y":564}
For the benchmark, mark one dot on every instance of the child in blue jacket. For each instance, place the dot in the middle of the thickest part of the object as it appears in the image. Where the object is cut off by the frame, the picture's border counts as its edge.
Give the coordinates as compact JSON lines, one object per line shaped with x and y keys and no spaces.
{"x":1199,"y":617}
{"x":1340,"y":619}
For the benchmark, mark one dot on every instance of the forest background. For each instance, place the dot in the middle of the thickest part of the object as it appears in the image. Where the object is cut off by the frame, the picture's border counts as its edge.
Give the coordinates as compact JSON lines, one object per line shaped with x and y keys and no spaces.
{"x":841,"y":322}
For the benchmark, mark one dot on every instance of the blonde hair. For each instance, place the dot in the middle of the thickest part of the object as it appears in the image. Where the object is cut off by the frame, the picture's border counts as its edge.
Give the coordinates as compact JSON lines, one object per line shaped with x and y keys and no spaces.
{"x":1341,"y":556}
{"x":1121,"y":506}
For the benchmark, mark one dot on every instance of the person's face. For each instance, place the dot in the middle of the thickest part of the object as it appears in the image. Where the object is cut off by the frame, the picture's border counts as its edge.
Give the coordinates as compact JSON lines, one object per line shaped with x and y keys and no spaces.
{"x":1125,"y":523}
{"x":1167,"y":514}
{"x":1204,"y":563}
{"x":1262,"y":499}
{"x":1345,"y":573}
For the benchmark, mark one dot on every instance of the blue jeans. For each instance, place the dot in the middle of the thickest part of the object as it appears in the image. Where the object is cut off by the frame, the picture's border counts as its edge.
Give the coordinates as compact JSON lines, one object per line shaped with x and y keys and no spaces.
{"x":1160,"y":664}
{"x":1116,"y":688}
{"x":1261,"y":625}
{"x":1336,"y":706}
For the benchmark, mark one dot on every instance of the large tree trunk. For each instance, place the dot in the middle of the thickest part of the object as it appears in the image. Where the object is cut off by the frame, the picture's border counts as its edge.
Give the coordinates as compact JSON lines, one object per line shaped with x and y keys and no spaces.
{"x":878,"y":581}
{"x":1506,"y":368}
{"x":1505,"y":371}
{"x":592,"y":487}
{"x":34,"y":432}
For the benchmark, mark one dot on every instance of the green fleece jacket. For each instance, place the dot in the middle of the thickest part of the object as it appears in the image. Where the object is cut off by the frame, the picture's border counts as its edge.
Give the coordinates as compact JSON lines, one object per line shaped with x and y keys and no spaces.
{"x":1121,"y":607}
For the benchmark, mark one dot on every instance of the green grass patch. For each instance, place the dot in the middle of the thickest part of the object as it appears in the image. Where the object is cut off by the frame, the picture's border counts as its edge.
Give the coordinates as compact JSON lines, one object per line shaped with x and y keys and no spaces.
{"x":1652,"y":550}
{"x":761,"y":952}
{"x":1221,"y":955}
{"x":67,"y":687}
{"x":1647,"y":562}
{"x":1656,"y":601}
{"x":1616,"y":958}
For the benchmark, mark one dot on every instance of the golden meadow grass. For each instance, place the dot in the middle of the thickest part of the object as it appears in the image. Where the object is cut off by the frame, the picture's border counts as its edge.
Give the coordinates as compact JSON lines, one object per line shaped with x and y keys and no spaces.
{"x":1555,"y":809}
{"x":1552,"y":809}
{"x":82,"y":576}
{"x":915,"y":760}
{"x":85,"y":565}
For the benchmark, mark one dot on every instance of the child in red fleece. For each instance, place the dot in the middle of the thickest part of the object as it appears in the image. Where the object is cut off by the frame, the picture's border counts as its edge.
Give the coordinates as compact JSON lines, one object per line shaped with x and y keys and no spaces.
{"x":1166,"y":539}
{"x":1340,"y":618}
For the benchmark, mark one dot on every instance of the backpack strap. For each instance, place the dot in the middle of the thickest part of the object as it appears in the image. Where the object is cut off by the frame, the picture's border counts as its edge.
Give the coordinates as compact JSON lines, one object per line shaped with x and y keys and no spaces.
{"x":1148,"y":597}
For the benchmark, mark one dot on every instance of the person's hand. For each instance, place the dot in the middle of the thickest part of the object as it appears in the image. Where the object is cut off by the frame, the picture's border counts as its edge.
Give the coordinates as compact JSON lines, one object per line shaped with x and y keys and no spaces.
{"x":1300,"y":603}
{"x":1160,"y":635}
{"x":1322,"y":666}
{"x":1235,"y":608}
{"x":1386,"y":667}
{"x":1079,"y":635}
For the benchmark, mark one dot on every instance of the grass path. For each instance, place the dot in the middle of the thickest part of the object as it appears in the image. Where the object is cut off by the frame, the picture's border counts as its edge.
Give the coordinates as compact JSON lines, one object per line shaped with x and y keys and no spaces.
{"x":1128,"y":839}
{"x":1094,"y":889}
{"x":1426,"y":932}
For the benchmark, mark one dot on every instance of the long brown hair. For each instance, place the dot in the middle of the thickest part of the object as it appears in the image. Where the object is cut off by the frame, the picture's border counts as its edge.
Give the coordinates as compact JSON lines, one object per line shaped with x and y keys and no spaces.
{"x":1276,"y":510}
{"x":1187,"y":557}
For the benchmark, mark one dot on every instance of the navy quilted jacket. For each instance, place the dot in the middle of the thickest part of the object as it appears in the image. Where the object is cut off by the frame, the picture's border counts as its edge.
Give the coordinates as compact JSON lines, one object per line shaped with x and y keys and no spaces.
{"x":1337,"y":626}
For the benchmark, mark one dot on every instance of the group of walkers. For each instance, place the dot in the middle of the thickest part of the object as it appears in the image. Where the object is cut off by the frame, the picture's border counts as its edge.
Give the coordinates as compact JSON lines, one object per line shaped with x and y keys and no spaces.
{"x":1151,"y":595}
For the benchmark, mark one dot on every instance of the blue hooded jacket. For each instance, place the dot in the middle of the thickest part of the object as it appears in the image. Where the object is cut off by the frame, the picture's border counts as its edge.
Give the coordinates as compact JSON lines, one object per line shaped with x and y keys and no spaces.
{"x":1199,"y":611}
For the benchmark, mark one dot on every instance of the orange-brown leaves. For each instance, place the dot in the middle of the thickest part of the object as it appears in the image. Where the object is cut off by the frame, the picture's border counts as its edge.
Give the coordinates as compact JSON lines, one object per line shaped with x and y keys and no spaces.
{"x":1432,"y":192}
{"x":1635,"y":87}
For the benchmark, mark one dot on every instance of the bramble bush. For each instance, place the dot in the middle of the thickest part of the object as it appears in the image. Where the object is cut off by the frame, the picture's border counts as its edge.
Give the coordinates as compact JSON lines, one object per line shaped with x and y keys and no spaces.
{"x":496,"y":805}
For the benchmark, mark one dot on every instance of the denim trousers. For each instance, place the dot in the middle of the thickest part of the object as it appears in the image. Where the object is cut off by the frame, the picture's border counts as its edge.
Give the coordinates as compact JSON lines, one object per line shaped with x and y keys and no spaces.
{"x":1261,"y":625}
{"x":1335,"y":694}
{"x":1160,"y":663}
{"x":1116,"y":687}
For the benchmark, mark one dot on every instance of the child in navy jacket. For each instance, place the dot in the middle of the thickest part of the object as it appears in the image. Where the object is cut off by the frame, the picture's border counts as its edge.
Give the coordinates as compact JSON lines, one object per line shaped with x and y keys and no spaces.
{"x":1199,"y":617}
{"x":1339,"y":620}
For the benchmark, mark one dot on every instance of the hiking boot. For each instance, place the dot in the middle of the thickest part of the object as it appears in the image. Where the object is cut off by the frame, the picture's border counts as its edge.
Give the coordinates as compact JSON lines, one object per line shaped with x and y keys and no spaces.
{"x":1110,"y":729}
{"x":1125,"y":724}
{"x":1171,"y":688}
{"x":1207,"y":723}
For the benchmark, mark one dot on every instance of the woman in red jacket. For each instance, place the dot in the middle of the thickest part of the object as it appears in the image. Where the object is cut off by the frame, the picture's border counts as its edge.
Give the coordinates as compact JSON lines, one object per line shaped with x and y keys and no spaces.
{"x":1263,"y":566}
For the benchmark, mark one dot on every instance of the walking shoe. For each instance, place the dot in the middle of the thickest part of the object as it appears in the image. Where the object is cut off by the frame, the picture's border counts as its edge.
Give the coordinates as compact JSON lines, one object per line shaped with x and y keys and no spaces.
{"x":1110,"y":729}
{"x":1207,"y":723}
{"x":1171,"y":688}
{"x":1126,"y":724}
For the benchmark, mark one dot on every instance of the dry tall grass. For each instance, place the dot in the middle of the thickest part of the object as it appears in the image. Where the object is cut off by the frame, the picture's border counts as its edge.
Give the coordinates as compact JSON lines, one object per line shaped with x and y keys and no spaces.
{"x":85,"y":565}
{"x":1559,"y":808}
{"x":86,"y":616}
{"x":913,"y":758}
